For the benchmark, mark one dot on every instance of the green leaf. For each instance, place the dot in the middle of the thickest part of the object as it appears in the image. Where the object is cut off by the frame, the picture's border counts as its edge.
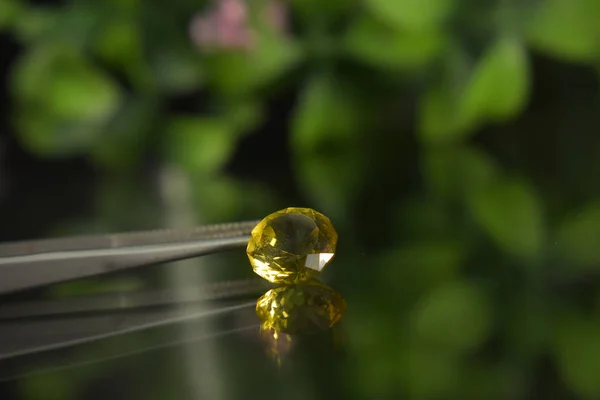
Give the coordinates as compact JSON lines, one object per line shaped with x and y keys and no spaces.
{"x":201,"y":145}
{"x":229,"y":72}
{"x":59,"y":81}
{"x":440,"y":119}
{"x":178,"y":71}
{"x":36,"y":133}
{"x":325,"y":140}
{"x":222,"y":199}
{"x":244,"y":116}
{"x":311,"y":9}
{"x":453,"y":317}
{"x":578,"y":237}
{"x":327,"y":114}
{"x":577,"y":351}
{"x":119,"y":42}
{"x":46,"y":135}
{"x":567,"y":29}
{"x":217,"y":199}
{"x":376,"y":348}
{"x":331,"y":181}
{"x":454,"y":172}
{"x":82,"y":92}
{"x":235,"y":73}
{"x":511,"y":214}
{"x":35,"y":23}
{"x":414,"y":15}
{"x":76,"y":25}
{"x":383,"y":47}
{"x":131,"y":6}
{"x":33,"y":70}
{"x":274,"y":56}
{"x":10,"y":11}
{"x":73,"y":25}
{"x":421,"y":265}
{"x":499,"y":86}
{"x":429,"y":374}
{"x":495,"y":89}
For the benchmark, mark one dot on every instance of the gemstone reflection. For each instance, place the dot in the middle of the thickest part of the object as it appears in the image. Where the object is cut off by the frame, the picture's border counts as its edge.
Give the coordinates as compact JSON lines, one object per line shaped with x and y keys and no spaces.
{"x":302,"y":308}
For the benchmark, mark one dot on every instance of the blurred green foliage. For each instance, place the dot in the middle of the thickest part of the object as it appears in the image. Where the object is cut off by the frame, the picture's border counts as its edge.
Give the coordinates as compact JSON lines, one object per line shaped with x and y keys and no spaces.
{"x":471,"y":256}
{"x":504,"y":205}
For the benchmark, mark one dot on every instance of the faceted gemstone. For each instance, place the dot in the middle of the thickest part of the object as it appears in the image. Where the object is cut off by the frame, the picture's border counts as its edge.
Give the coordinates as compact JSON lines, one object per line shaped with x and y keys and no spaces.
{"x":307,"y":307}
{"x":292,"y":245}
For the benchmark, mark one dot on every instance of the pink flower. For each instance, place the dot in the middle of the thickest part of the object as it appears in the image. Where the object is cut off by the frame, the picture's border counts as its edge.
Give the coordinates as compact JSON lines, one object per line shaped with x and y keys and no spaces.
{"x":226,"y":25}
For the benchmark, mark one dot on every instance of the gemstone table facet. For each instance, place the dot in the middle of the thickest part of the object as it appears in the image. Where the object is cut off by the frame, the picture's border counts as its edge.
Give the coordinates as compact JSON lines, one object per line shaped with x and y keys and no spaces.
{"x":292,"y":245}
{"x":302,"y":308}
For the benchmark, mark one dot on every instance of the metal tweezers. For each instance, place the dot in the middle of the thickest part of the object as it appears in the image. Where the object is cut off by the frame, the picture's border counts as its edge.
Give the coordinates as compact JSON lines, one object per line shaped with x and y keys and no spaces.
{"x":53,"y":324}
{"x":31,"y":264}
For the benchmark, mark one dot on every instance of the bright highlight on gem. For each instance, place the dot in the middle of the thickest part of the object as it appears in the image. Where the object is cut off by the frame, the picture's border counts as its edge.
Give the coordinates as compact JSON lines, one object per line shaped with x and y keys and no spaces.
{"x":292,"y":245}
{"x":318,"y":261}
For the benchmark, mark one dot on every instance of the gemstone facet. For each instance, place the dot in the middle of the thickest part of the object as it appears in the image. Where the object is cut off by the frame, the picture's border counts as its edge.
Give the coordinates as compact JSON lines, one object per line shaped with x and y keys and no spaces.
{"x":302,"y":308}
{"x":292,"y":245}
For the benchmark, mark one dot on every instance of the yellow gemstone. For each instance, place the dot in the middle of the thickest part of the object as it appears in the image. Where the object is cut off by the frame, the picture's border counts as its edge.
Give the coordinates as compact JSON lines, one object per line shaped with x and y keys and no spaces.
{"x":292,"y":245}
{"x":307,"y":307}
